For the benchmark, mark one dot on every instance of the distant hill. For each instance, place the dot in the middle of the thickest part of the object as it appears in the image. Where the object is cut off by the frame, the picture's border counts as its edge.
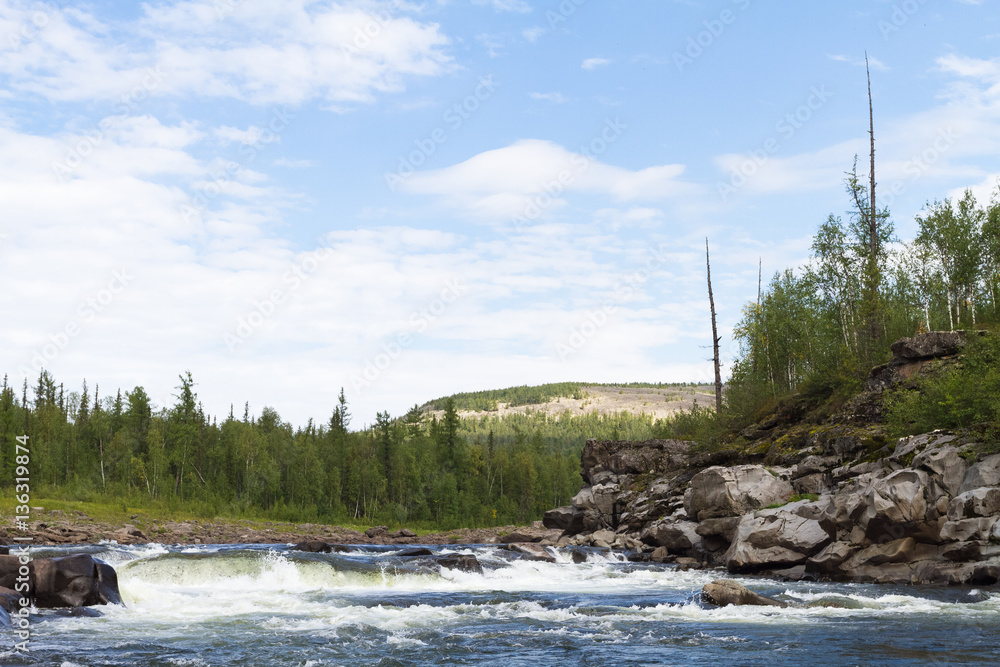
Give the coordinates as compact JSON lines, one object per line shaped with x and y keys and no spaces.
{"x":579,"y":398}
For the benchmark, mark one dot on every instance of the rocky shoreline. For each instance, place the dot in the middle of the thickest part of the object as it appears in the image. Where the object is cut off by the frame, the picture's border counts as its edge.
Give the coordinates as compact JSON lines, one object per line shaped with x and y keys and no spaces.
{"x":833,"y":499}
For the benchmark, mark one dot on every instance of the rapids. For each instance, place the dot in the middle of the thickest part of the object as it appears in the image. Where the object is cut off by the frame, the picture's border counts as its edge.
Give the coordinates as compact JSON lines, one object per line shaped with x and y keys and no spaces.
{"x":269,"y":605}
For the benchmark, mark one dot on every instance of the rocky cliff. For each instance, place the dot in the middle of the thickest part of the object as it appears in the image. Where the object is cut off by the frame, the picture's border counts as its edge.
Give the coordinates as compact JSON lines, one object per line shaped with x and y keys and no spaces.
{"x":831,"y":497}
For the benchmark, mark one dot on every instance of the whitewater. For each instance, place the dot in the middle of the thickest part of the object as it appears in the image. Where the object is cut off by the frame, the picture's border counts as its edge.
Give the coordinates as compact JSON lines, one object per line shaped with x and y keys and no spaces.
{"x":271,"y":605}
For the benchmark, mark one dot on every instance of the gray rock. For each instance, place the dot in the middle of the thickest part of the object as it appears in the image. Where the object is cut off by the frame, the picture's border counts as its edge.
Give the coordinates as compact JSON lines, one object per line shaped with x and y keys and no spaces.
{"x":963,"y":530}
{"x":946,"y":463}
{"x":817,"y":483}
{"x":984,"y":501}
{"x":983,"y":473}
{"x":677,"y":537}
{"x":897,"y":551}
{"x":724,"y":592}
{"x":717,"y":491}
{"x":932,"y":344}
{"x":770,"y":539}
{"x":829,"y":560}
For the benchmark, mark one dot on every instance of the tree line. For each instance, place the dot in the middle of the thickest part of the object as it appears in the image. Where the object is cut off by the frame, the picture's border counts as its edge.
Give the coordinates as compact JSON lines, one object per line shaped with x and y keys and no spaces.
{"x":823,"y":326}
{"x":421,"y":469}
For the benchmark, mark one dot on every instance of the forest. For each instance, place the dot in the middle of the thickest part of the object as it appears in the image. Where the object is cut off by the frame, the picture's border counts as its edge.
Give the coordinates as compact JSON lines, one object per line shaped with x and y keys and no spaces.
{"x":416,"y":470}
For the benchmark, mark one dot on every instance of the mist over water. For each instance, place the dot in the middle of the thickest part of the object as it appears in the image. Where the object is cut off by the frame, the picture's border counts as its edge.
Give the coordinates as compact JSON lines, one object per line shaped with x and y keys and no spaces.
{"x":268,"y":605}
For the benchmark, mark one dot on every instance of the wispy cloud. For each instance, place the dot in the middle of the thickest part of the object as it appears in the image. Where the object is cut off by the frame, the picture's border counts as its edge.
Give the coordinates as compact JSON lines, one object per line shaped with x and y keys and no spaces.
{"x":594,"y":63}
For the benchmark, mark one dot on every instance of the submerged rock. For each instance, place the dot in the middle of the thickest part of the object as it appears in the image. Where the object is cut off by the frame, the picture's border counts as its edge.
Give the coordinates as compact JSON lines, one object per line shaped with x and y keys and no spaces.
{"x":725,"y":592}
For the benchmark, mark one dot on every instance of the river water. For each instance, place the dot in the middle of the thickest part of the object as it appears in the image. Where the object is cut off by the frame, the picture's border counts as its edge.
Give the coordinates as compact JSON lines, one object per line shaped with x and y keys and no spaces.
{"x":268,"y":605}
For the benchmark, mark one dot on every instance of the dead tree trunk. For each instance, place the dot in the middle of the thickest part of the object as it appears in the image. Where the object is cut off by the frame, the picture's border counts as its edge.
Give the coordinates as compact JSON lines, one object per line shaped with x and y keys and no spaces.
{"x":715,"y":335}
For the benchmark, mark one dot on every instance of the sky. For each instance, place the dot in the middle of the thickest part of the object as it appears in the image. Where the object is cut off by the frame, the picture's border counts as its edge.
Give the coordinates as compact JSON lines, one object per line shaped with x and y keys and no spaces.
{"x":411,"y":199}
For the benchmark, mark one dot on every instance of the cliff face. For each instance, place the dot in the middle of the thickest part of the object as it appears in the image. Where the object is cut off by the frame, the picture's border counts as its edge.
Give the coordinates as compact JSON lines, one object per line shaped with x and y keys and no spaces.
{"x":834,"y":499}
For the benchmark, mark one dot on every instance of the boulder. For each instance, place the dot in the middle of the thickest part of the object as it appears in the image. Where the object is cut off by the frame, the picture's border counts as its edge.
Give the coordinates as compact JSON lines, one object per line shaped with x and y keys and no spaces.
{"x":933,"y":344}
{"x":724,"y":592}
{"x":414,"y":553}
{"x":717,"y":534}
{"x":983,"y":473}
{"x":962,"y":530}
{"x":532,"y":551}
{"x":568,"y":519}
{"x":376,"y":531}
{"x":717,"y":491}
{"x":69,"y":581}
{"x":902,"y":504}
{"x":817,"y":483}
{"x":775,"y":538}
{"x":946,"y":464}
{"x":313,"y":546}
{"x":402,"y":533}
{"x":897,"y":551}
{"x":981,"y":502}
{"x":829,"y":560}
{"x":677,"y":537}
{"x":462,"y":562}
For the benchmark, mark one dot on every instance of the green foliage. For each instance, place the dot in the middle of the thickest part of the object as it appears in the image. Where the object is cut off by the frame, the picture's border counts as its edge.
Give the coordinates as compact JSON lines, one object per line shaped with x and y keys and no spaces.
{"x":488,"y":401}
{"x":961,"y":397}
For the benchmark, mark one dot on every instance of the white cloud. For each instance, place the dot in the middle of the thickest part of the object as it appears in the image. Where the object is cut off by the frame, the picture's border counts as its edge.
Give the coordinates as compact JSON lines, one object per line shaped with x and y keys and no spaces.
{"x":500,"y":182}
{"x":594,"y":63}
{"x":517,"y":6}
{"x":554,"y":98}
{"x":258,"y":52}
{"x":532,"y":34}
{"x":294,"y":164}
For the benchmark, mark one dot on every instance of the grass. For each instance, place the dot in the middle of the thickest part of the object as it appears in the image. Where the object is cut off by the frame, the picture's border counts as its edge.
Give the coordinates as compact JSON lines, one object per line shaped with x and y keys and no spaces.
{"x":116,"y":513}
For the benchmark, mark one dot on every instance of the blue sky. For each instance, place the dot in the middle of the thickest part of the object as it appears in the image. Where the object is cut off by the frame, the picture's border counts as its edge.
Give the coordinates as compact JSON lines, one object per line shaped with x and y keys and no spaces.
{"x":409,"y":199}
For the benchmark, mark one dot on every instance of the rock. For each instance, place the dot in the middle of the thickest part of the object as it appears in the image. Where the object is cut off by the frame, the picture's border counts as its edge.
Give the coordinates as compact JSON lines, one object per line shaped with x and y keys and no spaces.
{"x":724,"y":592}
{"x":775,"y":538}
{"x":69,"y":581}
{"x":829,"y":560}
{"x":983,"y":473}
{"x":981,"y":502}
{"x":946,"y":463}
{"x":631,"y":458}
{"x":816,"y":483}
{"x":606,"y":536}
{"x":962,"y":530}
{"x":973,"y":550}
{"x":677,"y":537}
{"x":717,"y":491}
{"x":902,"y":504}
{"x":932,"y":344}
{"x":897,"y":551}
{"x":376,"y":531}
{"x":717,"y":534}
{"x":531,"y":534}
{"x":313,"y":546}
{"x":462,"y":562}
{"x":532,"y":551}
{"x":660,"y":555}
{"x":568,"y":519}
{"x":413,"y":553}
{"x":402,"y":533}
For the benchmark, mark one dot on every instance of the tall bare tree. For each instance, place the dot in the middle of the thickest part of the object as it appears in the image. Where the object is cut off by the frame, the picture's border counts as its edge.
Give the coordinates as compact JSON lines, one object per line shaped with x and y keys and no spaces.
{"x":715,"y":334}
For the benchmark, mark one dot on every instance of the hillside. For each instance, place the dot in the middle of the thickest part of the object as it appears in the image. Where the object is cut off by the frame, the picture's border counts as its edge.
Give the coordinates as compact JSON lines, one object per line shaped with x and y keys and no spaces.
{"x":654,"y":400}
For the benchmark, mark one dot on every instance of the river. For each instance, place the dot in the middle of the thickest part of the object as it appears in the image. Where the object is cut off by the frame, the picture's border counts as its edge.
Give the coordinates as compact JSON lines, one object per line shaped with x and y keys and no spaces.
{"x":254,"y":605}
